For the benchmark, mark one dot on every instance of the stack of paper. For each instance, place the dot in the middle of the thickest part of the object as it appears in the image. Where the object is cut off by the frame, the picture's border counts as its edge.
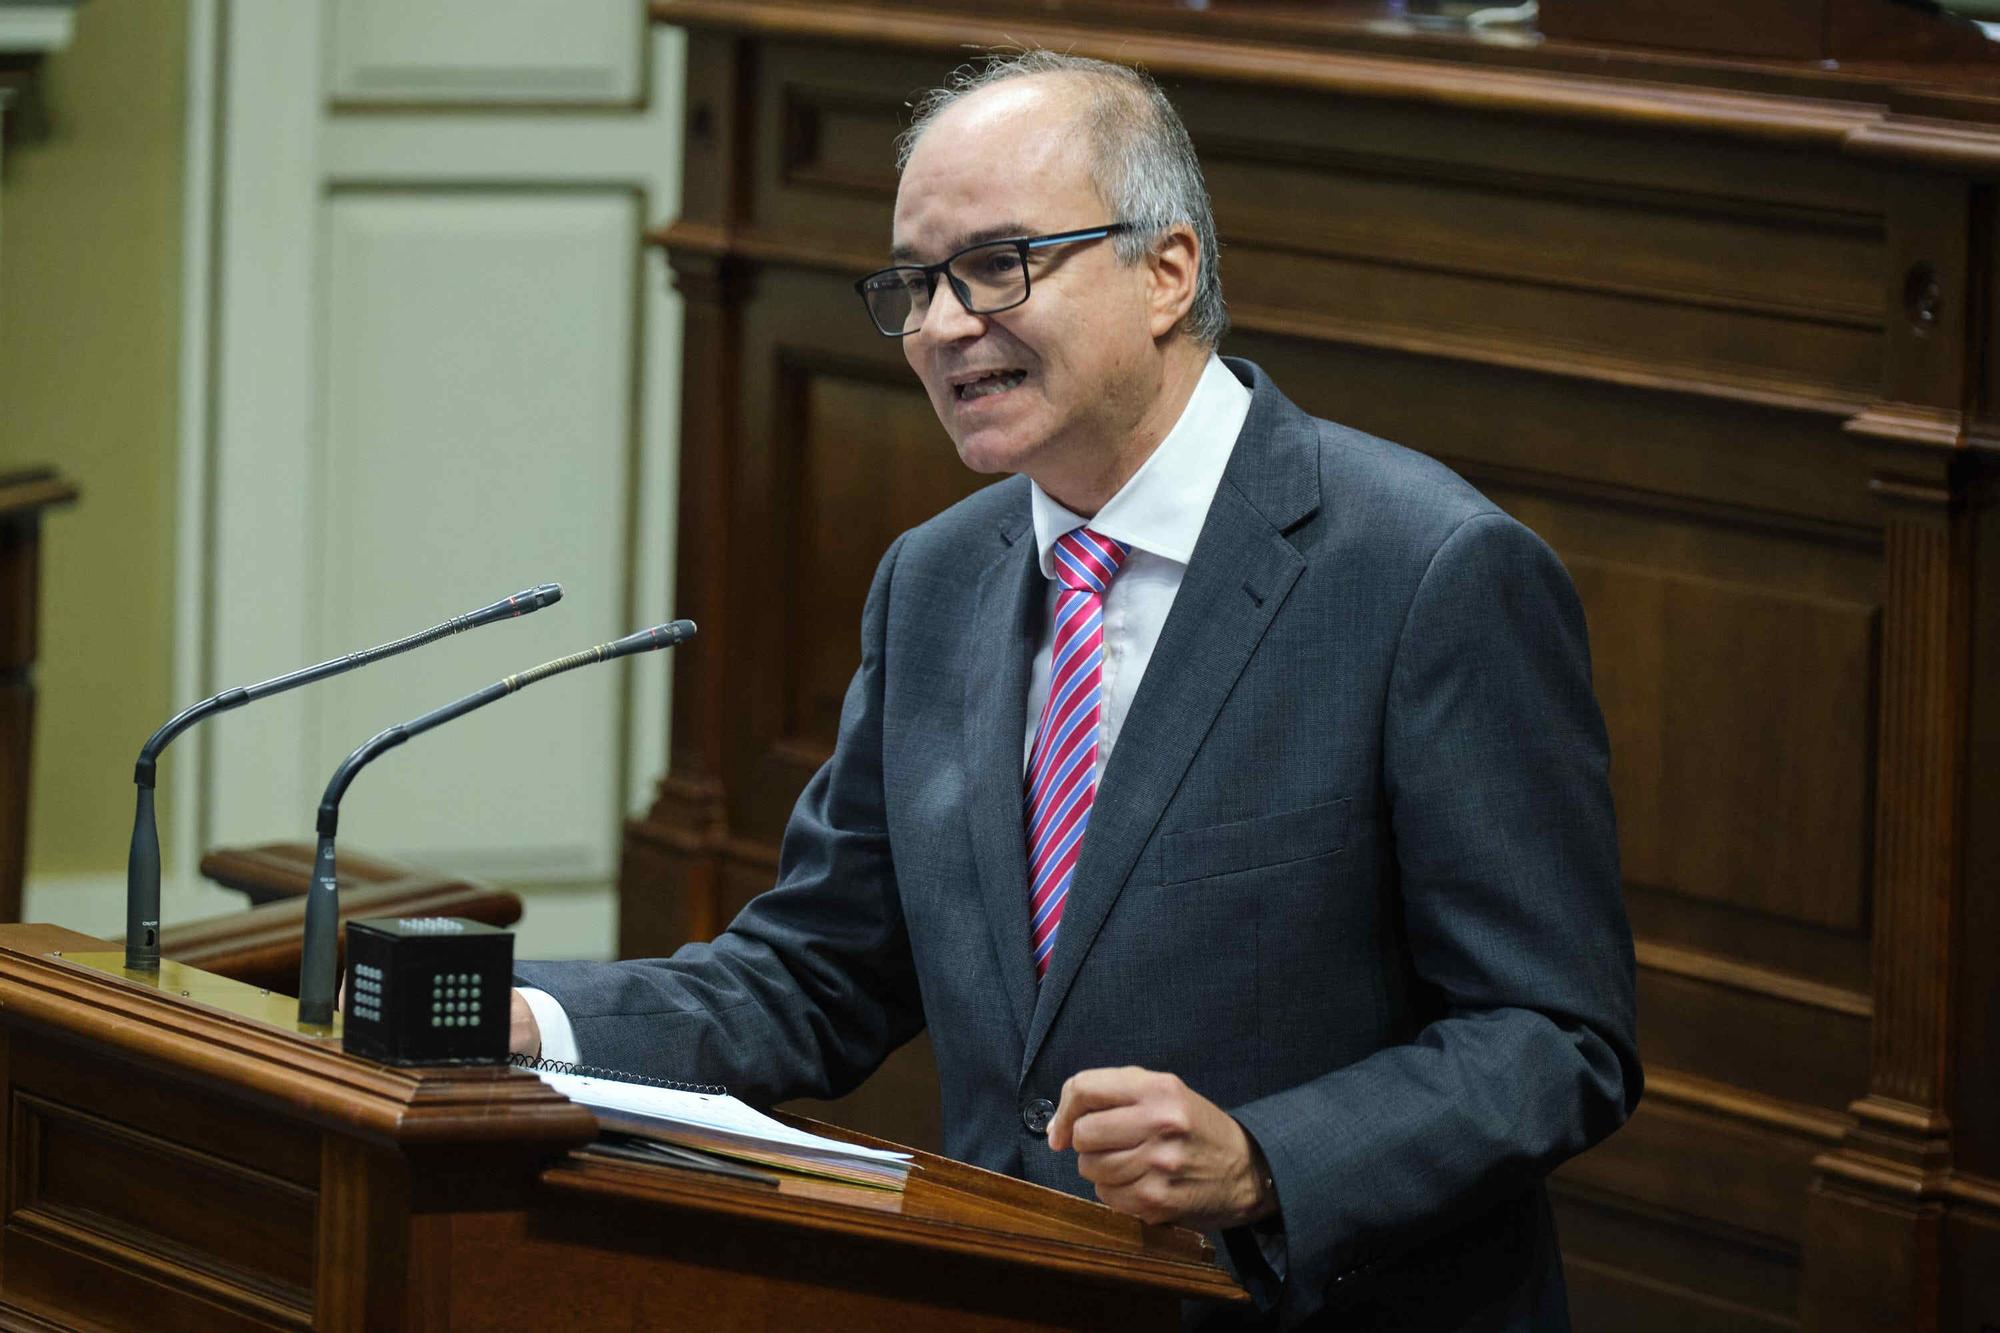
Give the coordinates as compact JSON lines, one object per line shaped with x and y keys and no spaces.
{"x":726,"y":1127}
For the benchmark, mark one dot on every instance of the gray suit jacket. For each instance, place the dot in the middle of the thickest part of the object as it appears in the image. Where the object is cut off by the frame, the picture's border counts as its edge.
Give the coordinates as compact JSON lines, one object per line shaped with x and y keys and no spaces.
{"x":1351,"y":873}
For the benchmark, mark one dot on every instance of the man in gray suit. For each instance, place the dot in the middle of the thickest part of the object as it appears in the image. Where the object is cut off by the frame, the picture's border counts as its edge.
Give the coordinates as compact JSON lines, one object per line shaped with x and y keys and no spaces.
{"x":1341,"y":970}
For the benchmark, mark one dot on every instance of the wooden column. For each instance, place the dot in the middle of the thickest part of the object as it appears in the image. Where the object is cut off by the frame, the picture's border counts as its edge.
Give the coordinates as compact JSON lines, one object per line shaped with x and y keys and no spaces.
{"x":23,"y":497}
{"x":670,"y":873}
{"x":1876,"y":1222}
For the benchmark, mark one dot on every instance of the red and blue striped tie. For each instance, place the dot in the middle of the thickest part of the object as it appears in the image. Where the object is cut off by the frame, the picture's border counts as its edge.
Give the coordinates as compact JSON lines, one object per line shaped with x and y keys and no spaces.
{"x":1062,"y":767}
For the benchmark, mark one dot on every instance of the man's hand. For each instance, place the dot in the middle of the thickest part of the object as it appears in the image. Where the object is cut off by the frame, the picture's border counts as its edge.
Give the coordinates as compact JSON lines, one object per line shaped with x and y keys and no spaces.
{"x":1160,"y":1152}
{"x":524,"y":1034}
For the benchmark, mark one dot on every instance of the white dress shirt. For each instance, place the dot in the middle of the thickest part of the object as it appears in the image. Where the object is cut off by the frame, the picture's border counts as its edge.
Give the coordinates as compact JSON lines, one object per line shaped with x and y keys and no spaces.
{"x":1158,"y":512}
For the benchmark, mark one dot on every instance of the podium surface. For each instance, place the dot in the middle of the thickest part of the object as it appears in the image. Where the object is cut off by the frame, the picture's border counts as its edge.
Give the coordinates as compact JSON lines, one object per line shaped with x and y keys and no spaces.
{"x":170,"y":1165}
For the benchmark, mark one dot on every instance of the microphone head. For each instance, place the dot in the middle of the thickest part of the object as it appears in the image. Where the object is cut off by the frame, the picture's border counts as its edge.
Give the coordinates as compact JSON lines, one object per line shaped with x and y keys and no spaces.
{"x":648,"y":640}
{"x":525,"y":602}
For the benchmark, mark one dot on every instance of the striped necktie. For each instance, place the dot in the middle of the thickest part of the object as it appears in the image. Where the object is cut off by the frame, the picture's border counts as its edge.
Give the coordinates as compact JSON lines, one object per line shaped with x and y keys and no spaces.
{"x":1062,"y":767}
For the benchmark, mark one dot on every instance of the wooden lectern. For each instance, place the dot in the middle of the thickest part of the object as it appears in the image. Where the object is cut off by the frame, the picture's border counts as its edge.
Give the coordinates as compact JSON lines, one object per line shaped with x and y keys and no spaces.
{"x":173,"y":1165}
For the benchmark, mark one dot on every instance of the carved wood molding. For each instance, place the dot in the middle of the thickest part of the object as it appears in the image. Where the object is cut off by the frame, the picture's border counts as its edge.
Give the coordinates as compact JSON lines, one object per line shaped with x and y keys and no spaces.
{"x":308,"y":1076}
{"x":1170,"y":1257}
{"x":1572,"y":362}
{"x":1908,"y":424}
{"x":1745,"y":1107}
{"x":1866,"y":129}
{"x":1880,"y":1178}
{"x":687,"y":815}
{"x":1756,"y":980}
{"x":707,"y":273}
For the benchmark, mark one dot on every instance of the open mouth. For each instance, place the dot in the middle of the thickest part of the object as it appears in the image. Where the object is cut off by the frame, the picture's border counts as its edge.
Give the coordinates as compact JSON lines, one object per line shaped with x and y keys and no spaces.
{"x":987,"y":385}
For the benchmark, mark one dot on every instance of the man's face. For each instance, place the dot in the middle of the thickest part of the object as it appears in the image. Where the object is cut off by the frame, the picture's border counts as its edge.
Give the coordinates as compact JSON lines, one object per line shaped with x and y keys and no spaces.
{"x":1078,"y":358}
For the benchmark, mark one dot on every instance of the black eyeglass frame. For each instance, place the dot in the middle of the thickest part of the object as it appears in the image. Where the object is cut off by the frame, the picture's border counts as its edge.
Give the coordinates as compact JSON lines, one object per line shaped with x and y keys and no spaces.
{"x":932,"y":272}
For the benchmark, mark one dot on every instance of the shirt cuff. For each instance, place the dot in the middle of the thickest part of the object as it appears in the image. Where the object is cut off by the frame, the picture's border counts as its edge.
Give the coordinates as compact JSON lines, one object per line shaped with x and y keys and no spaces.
{"x":558,"y":1037}
{"x":1271,"y":1244}
{"x":1258,"y":1252}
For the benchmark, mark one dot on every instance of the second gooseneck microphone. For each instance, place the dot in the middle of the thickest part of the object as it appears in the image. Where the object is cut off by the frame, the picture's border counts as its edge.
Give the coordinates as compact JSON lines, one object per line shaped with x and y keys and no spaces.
{"x":142,"y":865}
{"x":319,"y":959}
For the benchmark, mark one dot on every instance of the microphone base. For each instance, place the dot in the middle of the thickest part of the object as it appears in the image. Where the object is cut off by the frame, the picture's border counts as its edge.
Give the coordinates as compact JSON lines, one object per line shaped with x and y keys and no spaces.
{"x":194,"y":986}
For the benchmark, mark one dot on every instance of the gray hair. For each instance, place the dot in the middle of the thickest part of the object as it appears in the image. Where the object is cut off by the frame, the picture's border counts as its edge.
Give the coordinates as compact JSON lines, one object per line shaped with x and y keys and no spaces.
{"x":1143,"y":160}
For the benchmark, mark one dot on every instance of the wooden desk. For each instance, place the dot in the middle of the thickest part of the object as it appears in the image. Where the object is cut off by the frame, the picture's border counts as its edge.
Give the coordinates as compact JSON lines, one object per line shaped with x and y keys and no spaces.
{"x":171,"y":1167}
{"x":24,"y":496}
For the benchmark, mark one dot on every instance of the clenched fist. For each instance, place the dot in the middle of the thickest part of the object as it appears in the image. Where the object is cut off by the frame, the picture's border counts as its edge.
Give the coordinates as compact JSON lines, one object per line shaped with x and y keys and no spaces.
{"x":1156,"y":1149}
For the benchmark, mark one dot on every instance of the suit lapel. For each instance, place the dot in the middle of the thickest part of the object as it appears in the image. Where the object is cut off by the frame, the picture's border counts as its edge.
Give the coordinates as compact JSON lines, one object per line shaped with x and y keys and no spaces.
{"x":1011,"y":594}
{"x":1241,"y":571}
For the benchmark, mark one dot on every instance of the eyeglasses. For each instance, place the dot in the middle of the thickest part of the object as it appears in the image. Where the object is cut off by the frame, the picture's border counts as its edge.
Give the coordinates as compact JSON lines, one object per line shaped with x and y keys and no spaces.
{"x":986,"y":278}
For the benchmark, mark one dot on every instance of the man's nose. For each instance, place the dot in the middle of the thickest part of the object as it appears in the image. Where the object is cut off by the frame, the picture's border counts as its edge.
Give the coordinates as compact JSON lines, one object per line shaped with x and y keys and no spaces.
{"x":946,"y":319}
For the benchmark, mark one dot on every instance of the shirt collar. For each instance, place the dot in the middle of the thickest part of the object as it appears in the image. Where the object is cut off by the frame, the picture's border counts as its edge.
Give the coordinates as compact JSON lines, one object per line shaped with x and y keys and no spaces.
{"x":1161,"y":507}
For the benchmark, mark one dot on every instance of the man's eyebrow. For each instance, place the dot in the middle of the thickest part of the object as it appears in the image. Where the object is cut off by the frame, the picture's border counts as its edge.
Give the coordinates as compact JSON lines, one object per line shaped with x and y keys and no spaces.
{"x":904,"y":254}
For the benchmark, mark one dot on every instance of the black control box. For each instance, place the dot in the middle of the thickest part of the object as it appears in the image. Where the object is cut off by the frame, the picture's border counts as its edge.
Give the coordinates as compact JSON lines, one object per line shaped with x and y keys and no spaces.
{"x":427,"y":991}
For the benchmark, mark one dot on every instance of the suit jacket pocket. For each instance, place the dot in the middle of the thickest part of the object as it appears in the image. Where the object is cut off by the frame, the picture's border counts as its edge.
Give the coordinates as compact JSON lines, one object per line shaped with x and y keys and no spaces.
{"x":1267,"y":840}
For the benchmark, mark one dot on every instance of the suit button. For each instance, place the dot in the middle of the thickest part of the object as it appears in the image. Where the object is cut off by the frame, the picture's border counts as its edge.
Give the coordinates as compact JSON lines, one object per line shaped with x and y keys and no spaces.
{"x":1037,"y":1114}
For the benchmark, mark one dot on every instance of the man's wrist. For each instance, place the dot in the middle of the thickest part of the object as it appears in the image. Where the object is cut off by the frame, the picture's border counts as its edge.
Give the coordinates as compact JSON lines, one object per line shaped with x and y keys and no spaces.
{"x":524,"y":1035}
{"x":554,"y":1038}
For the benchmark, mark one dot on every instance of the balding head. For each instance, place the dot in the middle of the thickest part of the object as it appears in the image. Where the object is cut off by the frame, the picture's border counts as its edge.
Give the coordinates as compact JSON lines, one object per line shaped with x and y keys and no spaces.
{"x":1140,"y":157}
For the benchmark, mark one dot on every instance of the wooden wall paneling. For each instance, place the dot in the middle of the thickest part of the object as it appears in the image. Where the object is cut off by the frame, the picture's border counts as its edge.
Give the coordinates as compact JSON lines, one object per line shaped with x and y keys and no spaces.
{"x":868,"y":462}
{"x":1972,"y":1265}
{"x":1751,"y":859}
{"x":1693,"y":1214}
{"x":1631,"y":444}
{"x":825,"y":165}
{"x":1506,"y":260}
{"x":1687,"y":669}
{"x":1706,"y":1150}
{"x":1719,"y":1281}
{"x":1756,"y":1042}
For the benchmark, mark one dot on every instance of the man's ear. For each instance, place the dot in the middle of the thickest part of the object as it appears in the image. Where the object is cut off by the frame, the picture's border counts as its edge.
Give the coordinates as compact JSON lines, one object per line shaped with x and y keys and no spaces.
{"x":1173,"y":267}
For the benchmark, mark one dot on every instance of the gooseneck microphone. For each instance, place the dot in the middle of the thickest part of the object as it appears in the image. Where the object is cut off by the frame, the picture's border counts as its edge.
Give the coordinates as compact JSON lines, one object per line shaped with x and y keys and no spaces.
{"x":319,"y":956}
{"x":142,"y":866}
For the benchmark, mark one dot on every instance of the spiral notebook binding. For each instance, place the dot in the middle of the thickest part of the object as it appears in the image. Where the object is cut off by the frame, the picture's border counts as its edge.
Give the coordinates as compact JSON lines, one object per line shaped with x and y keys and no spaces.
{"x":544,"y":1066}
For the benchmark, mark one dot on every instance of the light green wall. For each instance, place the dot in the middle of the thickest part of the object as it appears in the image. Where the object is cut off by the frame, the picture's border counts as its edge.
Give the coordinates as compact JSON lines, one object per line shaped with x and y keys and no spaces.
{"x":90,"y":255}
